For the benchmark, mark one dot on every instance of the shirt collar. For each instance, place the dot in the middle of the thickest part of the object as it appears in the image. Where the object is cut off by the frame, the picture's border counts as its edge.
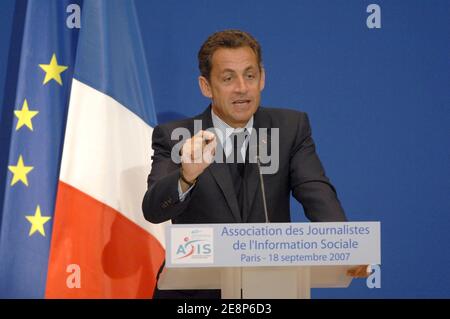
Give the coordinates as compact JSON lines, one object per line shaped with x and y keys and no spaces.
{"x":226,"y":129}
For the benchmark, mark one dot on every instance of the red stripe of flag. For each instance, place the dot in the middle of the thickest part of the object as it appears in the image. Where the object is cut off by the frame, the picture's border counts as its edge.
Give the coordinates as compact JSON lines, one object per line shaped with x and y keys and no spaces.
{"x":117,"y":258}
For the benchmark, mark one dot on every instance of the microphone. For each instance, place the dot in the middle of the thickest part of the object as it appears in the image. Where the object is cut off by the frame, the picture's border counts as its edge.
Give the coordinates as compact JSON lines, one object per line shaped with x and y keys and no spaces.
{"x":254,"y":150}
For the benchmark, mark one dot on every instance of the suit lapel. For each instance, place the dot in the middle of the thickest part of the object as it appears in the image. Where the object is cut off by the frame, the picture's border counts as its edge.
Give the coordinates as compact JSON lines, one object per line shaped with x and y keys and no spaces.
{"x":221,"y":173}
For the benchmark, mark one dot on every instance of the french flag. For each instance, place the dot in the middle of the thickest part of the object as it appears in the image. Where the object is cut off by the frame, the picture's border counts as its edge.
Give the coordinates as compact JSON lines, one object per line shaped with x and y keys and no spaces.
{"x":99,"y":229}
{"x":92,"y":124}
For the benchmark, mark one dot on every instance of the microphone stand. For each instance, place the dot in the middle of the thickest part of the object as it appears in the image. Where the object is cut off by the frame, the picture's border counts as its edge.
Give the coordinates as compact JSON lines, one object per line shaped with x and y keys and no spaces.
{"x":266,"y":215}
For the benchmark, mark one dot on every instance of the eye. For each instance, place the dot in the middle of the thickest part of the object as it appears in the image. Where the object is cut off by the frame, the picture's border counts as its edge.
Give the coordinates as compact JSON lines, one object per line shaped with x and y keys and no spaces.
{"x":250,"y":76}
{"x":227,"y":79}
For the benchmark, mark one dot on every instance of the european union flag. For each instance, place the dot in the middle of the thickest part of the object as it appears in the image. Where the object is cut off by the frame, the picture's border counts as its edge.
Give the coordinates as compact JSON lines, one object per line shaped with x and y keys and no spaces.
{"x":45,"y":74}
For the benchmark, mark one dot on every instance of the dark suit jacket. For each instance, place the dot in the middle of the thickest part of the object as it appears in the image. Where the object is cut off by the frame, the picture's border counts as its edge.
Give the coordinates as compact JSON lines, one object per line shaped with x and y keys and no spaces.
{"x":213,"y":200}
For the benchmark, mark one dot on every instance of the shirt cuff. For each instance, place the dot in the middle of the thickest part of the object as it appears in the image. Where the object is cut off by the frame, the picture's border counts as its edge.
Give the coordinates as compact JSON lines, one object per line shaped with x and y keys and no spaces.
{"x":182,"y":195}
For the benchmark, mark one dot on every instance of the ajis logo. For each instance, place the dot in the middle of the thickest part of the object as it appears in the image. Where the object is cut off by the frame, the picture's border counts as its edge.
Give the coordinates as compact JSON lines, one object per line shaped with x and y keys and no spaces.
{"x":192,"y":245}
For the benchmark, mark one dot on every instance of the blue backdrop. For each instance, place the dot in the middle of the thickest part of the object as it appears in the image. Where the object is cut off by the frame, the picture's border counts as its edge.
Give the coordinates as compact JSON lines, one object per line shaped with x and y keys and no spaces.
{"x":378,"y":101}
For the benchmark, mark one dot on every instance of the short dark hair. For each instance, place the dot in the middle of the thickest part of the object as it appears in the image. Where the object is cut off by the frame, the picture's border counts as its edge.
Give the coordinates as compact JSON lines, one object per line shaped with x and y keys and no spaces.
{"x":230,"y":39}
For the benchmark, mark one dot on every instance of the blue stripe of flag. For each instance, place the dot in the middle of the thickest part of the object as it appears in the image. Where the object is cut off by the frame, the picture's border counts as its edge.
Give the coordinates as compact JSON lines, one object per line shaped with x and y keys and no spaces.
{"x":110,"y":56}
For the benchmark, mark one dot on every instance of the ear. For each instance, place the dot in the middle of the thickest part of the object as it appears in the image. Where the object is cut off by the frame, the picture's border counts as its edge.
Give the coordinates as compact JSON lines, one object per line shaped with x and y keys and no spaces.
{"x":204,"y":86}
{"x":263,"y":79}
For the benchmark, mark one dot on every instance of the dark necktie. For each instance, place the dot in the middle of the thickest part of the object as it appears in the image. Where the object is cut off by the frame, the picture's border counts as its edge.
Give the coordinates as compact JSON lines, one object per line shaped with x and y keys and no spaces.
{"x":236,"y":165}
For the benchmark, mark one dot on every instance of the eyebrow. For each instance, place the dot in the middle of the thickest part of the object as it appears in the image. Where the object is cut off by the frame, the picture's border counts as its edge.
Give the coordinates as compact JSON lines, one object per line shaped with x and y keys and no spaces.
{"x":251,"y":67}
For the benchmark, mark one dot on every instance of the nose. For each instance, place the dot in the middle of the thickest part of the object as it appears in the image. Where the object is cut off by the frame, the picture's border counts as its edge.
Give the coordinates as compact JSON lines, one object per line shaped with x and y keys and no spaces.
{"x":241,"y":85}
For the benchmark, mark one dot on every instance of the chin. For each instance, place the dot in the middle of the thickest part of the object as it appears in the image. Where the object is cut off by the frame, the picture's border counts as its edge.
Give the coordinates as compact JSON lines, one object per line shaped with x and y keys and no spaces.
{"x":243,"y":117}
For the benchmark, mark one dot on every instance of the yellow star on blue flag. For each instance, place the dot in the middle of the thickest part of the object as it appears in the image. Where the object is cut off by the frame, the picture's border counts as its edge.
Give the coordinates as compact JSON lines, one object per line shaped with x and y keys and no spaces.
{"x":53,"y":70}
{"x":20,"y":171}
{"x":37,"y":222}
{"x":24,"y":116}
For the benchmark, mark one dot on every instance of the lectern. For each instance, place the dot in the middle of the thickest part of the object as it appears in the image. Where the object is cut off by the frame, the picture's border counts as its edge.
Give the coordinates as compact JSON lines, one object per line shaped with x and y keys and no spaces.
{"x":287,"y":282}
{"x":267,"y":260}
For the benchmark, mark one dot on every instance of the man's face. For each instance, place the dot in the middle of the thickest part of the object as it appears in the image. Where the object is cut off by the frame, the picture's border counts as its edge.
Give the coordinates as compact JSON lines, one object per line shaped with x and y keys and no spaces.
{"x":235,"y":85}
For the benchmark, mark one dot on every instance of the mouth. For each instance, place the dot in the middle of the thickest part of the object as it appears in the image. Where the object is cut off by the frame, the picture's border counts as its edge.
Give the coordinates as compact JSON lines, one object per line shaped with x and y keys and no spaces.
{"x":241,"y":102}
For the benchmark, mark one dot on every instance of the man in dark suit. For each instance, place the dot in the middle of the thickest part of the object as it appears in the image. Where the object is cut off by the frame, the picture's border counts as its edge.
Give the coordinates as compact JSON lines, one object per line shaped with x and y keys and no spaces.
{"x":189,"y":186}
{"x":213,"y":198}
